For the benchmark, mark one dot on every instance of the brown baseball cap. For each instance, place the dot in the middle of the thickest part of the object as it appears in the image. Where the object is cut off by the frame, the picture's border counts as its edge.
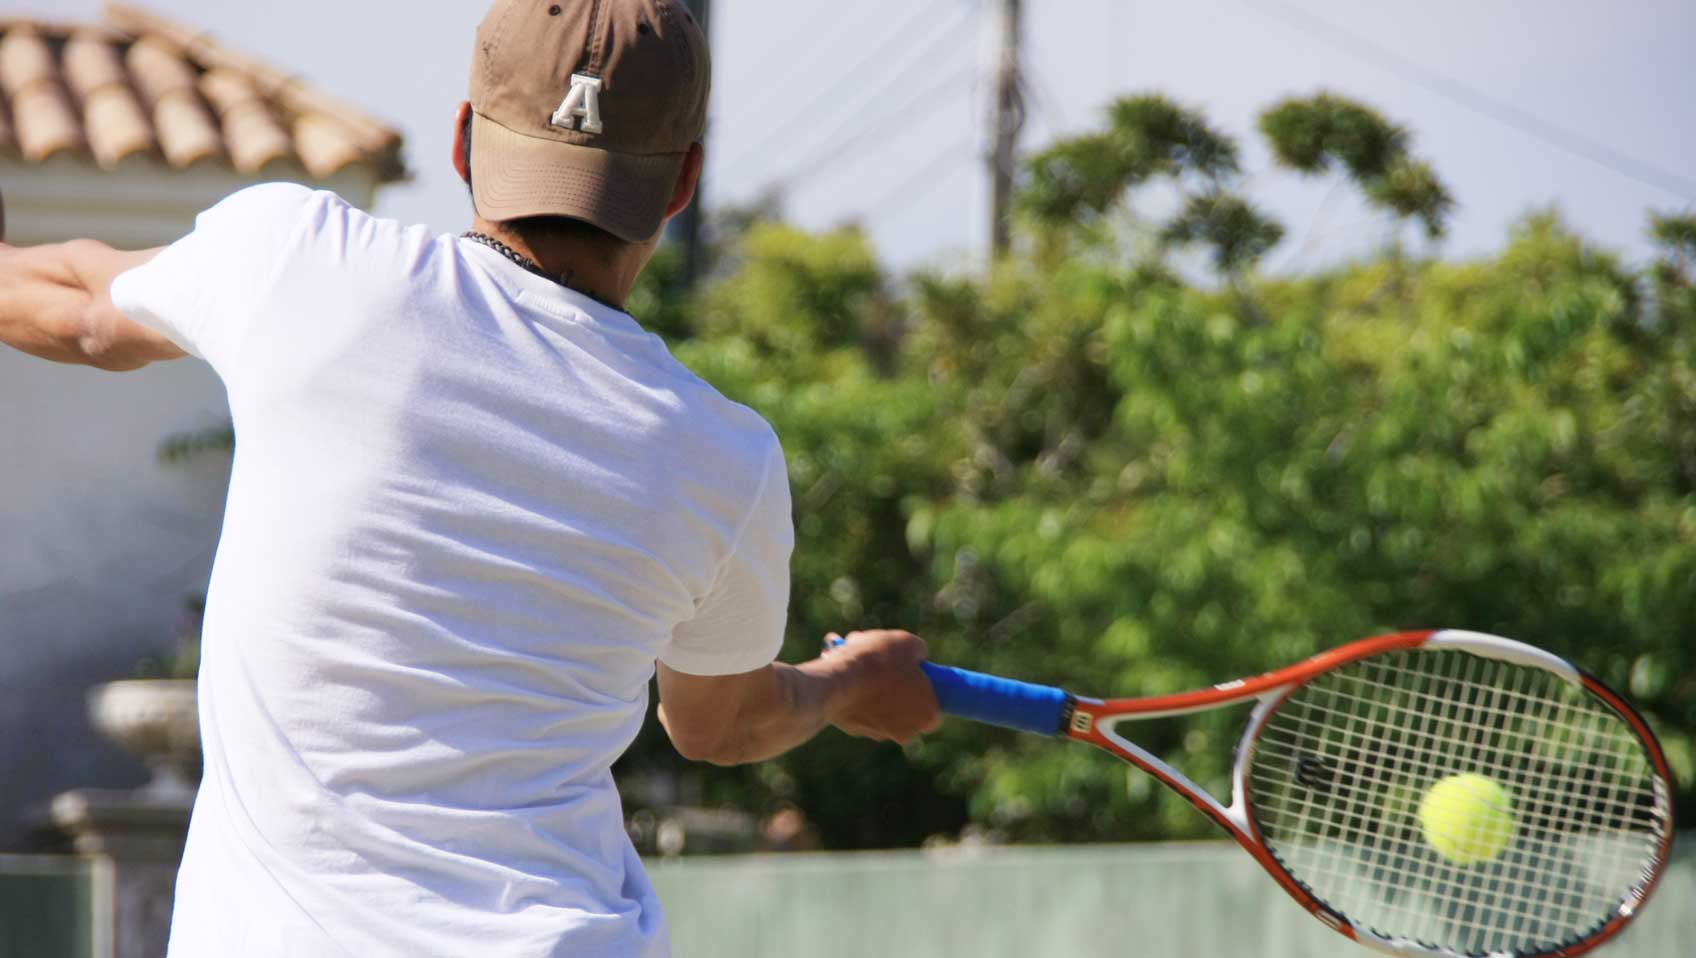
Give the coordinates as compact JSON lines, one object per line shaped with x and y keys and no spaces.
{"x":586,"y":109}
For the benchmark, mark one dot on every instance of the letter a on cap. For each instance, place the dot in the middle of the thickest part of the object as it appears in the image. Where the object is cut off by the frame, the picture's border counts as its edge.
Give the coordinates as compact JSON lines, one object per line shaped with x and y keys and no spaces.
{"x":583,"y":102}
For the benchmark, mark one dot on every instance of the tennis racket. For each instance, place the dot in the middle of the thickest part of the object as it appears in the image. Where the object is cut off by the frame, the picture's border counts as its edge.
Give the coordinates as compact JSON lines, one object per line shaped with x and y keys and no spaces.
{"x":1339,"y":752}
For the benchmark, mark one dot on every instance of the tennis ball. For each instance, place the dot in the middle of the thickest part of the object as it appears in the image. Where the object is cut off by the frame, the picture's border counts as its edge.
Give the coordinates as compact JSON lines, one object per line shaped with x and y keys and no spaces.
{"x":1467,"y":818}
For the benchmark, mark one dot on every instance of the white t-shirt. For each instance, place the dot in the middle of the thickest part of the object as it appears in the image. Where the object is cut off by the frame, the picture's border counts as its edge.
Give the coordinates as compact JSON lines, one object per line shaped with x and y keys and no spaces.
{"x":469,"y":510}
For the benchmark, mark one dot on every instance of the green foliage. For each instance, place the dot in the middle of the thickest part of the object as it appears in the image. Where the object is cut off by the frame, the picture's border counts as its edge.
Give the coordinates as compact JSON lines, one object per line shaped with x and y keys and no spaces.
{"x":1312,"y":135}
{"x":1166,"y":138}
{"x":797,"y":294}
{"x":1238,"y":234}
{"x":1673,"y":276}
{"x":1411,"y":190}
{"x":1084,"y":471}
{"x":179,"y":448}
{"x":802,"y":331}
{"x":1082,"y":176}
{"x":660,"y":299}
{"x":1676,"y":234}
{"x":1147,"y":136}
{"x":1502,"y":461}
{"x":1080,"y":181}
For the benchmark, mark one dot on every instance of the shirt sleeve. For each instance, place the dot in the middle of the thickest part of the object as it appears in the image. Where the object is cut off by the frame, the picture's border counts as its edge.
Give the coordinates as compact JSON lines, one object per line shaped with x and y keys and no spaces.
{"x":739,"y":626}
{"x":201,"y":290}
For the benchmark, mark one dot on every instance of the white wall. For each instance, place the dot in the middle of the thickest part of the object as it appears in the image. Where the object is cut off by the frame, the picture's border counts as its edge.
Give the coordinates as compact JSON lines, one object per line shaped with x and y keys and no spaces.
{"x":100,"y":543}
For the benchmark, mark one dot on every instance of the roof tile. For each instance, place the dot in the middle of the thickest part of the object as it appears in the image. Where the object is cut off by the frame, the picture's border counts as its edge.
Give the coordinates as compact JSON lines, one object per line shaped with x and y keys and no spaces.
{"x":145,"y":85}
{"x":252,"y":134}
{"x":42,"y":115}
{"x":186,"y":131}
{"x":114,"y":122}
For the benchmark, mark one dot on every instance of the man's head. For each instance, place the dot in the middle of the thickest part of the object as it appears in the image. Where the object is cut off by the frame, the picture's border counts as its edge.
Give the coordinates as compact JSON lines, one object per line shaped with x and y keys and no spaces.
{"x":589,"y":111}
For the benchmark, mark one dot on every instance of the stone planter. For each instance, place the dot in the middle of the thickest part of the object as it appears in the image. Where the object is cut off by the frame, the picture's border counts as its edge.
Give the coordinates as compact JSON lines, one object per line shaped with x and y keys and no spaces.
{"x":157,"y":720}
{"x":139,"y":831}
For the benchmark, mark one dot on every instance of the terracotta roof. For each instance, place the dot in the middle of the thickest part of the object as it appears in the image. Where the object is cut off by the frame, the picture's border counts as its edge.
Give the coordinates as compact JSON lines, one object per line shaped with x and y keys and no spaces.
{"x":141,"y":84}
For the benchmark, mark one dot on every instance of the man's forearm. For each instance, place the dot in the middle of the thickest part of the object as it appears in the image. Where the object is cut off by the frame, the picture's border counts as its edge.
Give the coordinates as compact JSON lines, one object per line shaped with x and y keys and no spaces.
{"x":872,"y":687}
{"x":784,"y":706}
{"x":55,"y":303}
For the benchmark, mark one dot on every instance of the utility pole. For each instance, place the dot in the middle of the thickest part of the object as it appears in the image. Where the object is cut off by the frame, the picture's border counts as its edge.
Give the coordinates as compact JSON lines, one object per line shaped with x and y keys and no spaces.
{"x":687,"y":228}
{"x":1009,"y":120}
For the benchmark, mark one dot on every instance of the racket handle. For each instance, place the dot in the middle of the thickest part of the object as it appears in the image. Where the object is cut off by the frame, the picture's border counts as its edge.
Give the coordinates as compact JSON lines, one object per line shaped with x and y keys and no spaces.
{"x":991,"y":699}
{"x":997,"y":701}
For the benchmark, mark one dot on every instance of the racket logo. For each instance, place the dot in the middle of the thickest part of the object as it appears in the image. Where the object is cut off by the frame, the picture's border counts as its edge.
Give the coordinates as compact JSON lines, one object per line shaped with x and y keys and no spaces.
{"x":1315,"y":772}
{"x":1082,"y":722}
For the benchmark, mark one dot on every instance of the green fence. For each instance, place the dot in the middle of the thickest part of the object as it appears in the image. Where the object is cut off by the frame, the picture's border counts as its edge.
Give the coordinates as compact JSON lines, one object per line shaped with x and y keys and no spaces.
{"x":48,"y":906}
{"x":1173,"y":901}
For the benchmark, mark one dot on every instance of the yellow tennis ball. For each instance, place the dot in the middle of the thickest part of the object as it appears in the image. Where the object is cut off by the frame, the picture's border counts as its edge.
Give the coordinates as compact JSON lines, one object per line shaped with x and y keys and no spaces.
{"x":1468,"y":818}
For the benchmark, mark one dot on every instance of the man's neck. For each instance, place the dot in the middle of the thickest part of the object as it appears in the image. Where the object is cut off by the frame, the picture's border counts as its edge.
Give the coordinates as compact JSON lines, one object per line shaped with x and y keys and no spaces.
{"x":569,"y":264}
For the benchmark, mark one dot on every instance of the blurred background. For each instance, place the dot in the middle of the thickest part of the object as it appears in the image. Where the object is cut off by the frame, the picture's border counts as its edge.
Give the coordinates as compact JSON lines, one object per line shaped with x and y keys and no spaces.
{"x":1119,"y":345}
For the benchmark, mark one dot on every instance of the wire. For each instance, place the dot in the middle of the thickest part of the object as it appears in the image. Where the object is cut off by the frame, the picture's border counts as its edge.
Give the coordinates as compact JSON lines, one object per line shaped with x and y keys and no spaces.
{"x":1473,"y":99}
{"x":802,"y":66}
{"x":856,"y":75}
{"x":849,"y":138}
{"x":911,"y":112}
{"x":958,"y":150}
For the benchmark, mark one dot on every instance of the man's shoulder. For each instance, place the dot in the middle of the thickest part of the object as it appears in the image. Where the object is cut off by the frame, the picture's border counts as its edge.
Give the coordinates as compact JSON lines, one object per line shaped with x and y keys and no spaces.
{"x":267,"y":203}
{"x":730,"y":421}
{"x":706,"y":424}
{"x":284,"y":208}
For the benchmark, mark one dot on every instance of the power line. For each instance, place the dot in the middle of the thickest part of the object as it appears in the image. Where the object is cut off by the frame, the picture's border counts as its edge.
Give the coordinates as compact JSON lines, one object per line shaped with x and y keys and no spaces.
{"x":828,"y":36}
{"x":855,"y":76}
{"x":960,"y":149}
{"x":909,"y":113}
{"x":1363,"y":48}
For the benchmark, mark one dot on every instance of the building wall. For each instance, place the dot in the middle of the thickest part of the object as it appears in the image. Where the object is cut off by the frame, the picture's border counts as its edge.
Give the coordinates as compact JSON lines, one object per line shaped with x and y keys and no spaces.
{"x":100,"y":542}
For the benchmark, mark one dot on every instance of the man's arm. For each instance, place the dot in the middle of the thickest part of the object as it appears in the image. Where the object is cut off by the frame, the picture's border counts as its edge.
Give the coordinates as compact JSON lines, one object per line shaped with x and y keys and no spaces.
{"x":56,"y":303}
{"x":871,"y":687}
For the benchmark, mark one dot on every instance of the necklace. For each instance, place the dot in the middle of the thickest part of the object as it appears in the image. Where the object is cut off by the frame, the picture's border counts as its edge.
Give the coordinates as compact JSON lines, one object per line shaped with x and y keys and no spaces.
{"x":526,"y":263}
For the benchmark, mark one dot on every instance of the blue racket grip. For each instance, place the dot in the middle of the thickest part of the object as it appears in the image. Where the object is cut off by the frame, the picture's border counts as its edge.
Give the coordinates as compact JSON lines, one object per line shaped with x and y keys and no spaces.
{"x":987,"y":698}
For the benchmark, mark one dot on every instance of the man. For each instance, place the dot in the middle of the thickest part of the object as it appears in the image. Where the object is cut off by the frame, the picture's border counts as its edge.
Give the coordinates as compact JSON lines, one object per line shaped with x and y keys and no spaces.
{"x":472,"y":505}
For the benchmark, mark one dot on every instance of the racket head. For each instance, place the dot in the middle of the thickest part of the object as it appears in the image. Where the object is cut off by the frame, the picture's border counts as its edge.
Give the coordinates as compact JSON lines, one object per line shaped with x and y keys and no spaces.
{"x":1335,"y":762}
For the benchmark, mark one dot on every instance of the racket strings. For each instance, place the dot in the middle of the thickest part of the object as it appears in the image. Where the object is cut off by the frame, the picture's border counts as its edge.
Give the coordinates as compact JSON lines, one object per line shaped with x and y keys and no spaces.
{"x":1558,"y":783}
{"x":1340,"y":767}
{"x":1464,"y":733}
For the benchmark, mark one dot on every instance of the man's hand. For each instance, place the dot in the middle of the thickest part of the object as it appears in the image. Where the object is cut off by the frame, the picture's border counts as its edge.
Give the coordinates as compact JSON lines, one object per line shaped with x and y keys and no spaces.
{"x":882,"y":692}
{"x":871,"y":686}
{"x":56,"y":303}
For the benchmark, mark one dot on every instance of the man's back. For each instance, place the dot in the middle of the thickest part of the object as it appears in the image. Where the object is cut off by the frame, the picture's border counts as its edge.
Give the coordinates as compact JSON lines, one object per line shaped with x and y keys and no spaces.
{"x":469,"y":510}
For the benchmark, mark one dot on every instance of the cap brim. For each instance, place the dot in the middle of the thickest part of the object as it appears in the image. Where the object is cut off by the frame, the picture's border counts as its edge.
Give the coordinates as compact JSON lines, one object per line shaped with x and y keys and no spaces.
{"x":515,"y":176}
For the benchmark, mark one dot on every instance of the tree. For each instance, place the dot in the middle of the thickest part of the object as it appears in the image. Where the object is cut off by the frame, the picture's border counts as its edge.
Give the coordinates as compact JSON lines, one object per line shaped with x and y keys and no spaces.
{"x":1314,"y":134}
{"x":1086,"y":471}
{"x":1084,"y":179}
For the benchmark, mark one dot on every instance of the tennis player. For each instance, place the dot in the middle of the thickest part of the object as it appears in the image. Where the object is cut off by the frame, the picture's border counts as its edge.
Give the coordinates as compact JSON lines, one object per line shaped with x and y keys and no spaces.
{"x":474,"y":508}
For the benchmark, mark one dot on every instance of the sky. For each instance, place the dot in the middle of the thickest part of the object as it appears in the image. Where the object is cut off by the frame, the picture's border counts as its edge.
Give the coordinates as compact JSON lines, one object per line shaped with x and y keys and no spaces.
{"x":874,"y":111}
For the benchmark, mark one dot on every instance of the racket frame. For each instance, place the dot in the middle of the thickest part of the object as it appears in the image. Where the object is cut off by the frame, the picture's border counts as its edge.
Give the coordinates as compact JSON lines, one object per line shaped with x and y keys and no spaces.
{"x":1096,"y":722}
